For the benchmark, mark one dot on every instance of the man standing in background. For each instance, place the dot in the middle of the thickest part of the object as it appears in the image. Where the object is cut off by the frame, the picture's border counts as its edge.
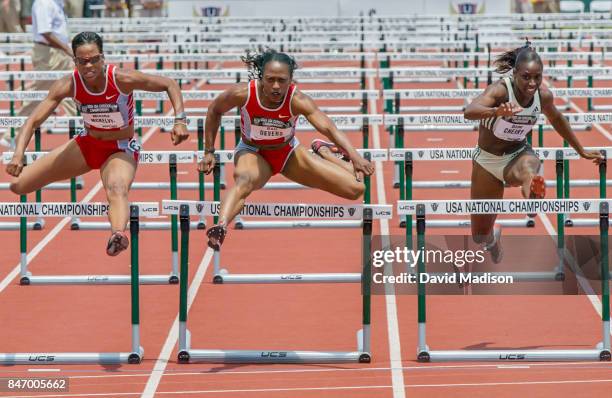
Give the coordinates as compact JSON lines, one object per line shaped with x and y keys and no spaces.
{"x":51,"y":52}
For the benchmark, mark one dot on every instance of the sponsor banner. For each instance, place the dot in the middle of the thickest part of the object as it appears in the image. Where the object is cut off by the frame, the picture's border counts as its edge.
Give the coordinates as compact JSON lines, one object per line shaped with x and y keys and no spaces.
{"x":282,"y":210}
{"x":502,"y":206}
{"x":151,"y":157}
{"x":458,"y":119}
{"x":59,"y":209}
{"x":471,"y":93}
{"x":30,"y":157}
{"x":559,"y":71}
{"x":375,"y":154}
{"x":225,"y":156}
{"x":399,"y":154}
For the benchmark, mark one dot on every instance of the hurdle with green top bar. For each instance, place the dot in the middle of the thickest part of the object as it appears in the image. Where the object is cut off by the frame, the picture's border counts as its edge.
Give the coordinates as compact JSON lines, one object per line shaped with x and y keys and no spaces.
{"x":223,"y":157}
{"x":409,"y":155}
{"x":600,"y":206}
{"x":428,"y":122}
{"x":187,"y":354}
{"x":284,"y":210}
{"x":136,"y":354}
{"x":71,"y":209}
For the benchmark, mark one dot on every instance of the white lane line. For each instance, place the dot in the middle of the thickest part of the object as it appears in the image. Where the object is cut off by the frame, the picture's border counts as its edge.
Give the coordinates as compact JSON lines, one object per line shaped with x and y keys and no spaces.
{"x":40,"y":370}
{"x":449,"y":171}
{"x":395,"y":350}
{"x":332,"y":388}
{"x":435,"y":139}
{"x":162,"y":361}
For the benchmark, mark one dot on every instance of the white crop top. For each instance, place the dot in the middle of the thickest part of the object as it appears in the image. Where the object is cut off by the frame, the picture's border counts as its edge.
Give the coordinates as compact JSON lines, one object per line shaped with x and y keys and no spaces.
{"x":516,"y":127}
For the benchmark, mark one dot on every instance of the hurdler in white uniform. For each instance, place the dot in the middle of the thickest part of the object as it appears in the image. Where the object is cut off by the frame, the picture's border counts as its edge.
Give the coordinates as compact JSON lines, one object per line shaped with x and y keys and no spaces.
{"x":509,"y":128}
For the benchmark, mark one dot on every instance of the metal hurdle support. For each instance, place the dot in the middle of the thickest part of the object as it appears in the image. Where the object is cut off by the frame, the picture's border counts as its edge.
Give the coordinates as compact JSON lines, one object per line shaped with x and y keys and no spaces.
{"x":347,"y":212}
{"x":187,"y":354}
{"x":69,"y":209}
{"x":136,"y":354}
{"x":422,"y":208}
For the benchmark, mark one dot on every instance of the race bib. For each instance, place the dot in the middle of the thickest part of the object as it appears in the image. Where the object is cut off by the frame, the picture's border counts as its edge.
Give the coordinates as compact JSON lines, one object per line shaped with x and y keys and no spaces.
{"x":102,"y":116}
{"x":270,"y":129}
{"x":511,"y":131}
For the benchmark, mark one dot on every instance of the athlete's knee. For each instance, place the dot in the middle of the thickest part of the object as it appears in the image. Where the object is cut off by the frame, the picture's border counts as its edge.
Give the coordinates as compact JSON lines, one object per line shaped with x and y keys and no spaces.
{"x":245,"y":183}
{"x":354,"y":191}
{"x":116,"y":189}
{"x":18,"y":188}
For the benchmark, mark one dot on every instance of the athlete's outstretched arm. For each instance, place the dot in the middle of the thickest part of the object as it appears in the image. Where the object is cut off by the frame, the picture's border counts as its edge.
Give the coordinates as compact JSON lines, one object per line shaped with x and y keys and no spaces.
{"x":304,"y":105}
{"x":59,"y":90}
{"x":134,"y":80}
{"x":235,"y":96}
{"x":562,"y":126}
{"x":483,"y":106}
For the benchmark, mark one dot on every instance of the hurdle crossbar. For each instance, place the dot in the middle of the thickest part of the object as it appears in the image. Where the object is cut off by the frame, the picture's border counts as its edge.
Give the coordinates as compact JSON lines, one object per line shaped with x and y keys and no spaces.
{"x":188,"y":354}
{"x":421,"y":209}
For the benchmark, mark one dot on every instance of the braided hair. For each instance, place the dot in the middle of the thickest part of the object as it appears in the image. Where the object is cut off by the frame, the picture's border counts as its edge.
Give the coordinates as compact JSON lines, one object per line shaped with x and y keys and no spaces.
{"x":508,"y":60}
{"x":256,"y":62}
{"x":87,"y":38}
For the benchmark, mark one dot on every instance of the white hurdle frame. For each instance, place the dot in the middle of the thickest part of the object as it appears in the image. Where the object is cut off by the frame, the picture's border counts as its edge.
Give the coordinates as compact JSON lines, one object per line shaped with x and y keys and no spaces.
{"x":136,"y":354}
{"x":187,"y":354}
{"x":600,"y":352}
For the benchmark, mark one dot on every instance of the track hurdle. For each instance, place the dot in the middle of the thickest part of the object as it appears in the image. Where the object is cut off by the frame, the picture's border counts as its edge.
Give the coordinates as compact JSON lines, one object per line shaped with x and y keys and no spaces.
{"x":600,"y":206}
{"x":187,"y":354}
{"x":307,"y":211}
{"x":223,"y":157}
{"x":136,"y":354}
{"x":408,"y":156}
{"x":70,"y":209}
{"x":428,"y":122}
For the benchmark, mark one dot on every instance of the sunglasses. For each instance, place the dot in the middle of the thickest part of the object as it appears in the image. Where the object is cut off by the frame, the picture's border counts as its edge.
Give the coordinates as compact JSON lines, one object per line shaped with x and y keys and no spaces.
{"x":93,"y":60}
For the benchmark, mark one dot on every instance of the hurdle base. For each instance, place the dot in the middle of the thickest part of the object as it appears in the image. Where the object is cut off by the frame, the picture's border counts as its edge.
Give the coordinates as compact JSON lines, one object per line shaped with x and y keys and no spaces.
{"x":513,"y":355}
{"x":512,"y":223}
{"x":97,"y":280}
{"x":244,"y":224}
{"x":581,"y":222}
{"x":54,"y":358}
{"x":144,"y":225}
{"x":267,"y":356}
{"x":15,"y":226}
{"x":226,"y":278}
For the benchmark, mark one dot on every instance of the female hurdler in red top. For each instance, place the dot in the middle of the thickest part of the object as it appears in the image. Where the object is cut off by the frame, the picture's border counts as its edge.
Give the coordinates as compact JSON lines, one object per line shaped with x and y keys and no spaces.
{"x":104,"y":97}
{"x":269,"y":107}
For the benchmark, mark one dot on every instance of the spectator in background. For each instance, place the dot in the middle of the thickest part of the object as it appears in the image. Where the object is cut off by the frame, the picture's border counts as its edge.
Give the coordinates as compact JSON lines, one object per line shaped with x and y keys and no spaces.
{"x":74,"y":8}
{"x":25,"y":14}
{"x":51,"y":51}
{"x":115,"y":8}
{"x":545,"y":6}
{"x":9,"y":16}
{"x":151,"y":8}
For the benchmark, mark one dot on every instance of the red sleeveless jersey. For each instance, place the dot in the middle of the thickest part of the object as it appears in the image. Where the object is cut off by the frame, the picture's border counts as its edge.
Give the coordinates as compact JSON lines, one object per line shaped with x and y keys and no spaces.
{"x":108,"y":110}
{"x":265,"y":126}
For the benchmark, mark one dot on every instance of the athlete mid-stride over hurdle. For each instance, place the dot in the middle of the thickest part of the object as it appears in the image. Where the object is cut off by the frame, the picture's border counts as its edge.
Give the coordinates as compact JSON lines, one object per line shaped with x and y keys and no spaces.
{"x":104,"y":97}
{"x":507,"y":110}
{"x":270,"y":105}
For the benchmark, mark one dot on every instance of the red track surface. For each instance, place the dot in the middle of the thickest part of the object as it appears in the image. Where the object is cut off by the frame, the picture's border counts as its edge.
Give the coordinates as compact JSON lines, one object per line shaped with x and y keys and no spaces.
{"x":320,"y":317}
